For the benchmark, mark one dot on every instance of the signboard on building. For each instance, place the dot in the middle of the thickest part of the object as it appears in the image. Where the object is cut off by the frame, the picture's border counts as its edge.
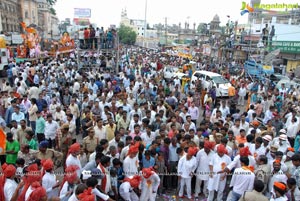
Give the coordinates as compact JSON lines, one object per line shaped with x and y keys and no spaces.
{"x":286,"y":46}
{"x":82,"y":12}
{"x":252,"y":38}
{"x":16,"y":39}
{"x":81,"y":21}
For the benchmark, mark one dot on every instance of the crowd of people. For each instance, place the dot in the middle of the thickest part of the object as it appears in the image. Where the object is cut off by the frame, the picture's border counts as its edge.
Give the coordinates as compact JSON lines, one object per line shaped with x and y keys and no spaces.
{"x":92,"y":134}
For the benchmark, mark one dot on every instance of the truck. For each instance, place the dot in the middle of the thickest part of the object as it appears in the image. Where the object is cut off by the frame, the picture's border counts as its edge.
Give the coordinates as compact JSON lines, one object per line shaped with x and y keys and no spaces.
{"x":257,"y":70}
{"x":260,"y":69}
{"x":4,"y":56}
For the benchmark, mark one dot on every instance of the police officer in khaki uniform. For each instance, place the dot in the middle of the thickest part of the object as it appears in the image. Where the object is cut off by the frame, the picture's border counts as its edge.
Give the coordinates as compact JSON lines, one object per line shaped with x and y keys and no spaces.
{"x":90,"y":142}
{"x":46,"y":153}
{"x":64,"y":140}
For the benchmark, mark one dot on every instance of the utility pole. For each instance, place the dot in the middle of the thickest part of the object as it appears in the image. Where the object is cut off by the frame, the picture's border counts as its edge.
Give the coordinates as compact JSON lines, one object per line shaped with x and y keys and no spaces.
{"x":118,"y":54}
{"x":166,"y":31}
{"x":145,"y":23}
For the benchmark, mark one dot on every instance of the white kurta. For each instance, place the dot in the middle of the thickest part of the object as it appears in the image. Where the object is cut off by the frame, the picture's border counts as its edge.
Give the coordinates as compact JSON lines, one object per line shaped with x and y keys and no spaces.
{"x":203,"y":164}
{"x":242,"y":180}
{"x":48,"y":181}
{"x":127,"y":193}
{"x":237,"y":164}
{"x":130,"y":166}
{"x":71,"y":160}
{"x":64,"y":190}
{"x":28,"y":193}
{"x":9,"y":188}
{"x":149,"y":187}
{"x":278,"y":177}
{"x":186,"y":167}
{"x":216,"y":162}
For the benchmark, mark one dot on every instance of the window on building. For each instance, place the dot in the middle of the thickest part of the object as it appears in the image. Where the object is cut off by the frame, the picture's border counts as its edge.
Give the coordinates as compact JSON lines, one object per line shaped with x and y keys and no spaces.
{"x":26,"y":14}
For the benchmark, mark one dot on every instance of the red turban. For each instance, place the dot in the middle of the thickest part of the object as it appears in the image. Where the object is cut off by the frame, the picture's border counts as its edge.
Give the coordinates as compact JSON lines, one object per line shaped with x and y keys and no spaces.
{"x":33,"y":175}
{"x":135,"y":181}
{"x":47,"y":164}
{"x":87,"y":195}
{"x":71,"y":174}
{"x":74,"y":148}
{"x":38,"y":193}
{"x":134,"y":148}
{"x":208,"y":145}
{"x":244,"y":151}
{"x":192,"y":151}
{"x":8,"y":170}
{"x":147,"y":172}
{"x":222,"y":149}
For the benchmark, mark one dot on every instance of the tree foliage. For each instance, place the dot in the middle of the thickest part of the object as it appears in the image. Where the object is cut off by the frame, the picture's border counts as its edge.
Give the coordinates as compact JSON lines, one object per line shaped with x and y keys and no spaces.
{"x":52,"y":11}
{"x":202,"y":28}
{"x":127,"y":35}
{"x":51,"y":2}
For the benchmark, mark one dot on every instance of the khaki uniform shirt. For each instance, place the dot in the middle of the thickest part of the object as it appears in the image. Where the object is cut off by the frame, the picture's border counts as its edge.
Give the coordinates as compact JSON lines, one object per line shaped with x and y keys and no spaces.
{"x":253,"y":196}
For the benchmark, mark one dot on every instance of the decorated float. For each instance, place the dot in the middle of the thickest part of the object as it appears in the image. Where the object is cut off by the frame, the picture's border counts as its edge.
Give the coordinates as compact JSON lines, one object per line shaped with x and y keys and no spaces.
{"x":64,"y":46}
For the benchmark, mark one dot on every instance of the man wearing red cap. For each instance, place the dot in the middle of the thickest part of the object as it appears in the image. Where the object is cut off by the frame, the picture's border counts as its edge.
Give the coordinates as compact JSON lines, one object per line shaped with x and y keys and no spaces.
{"x":68,"y":184}
{"x":131,"y":162}
{"x":217,"y":181}
{"x":203,"y":157}
{"x":49,"y":181}
{"x":186,"y":167}
{"x":7,"y":182}
{"x":127,"y":188}
{"x":244,"y":151}
{"x":242,"y":179}
{"x":72,"y":157}
{"x":150,"y":183}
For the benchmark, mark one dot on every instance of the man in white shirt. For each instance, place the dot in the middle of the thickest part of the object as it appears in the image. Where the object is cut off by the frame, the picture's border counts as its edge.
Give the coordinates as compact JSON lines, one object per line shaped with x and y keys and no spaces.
{"x":242,"y":179}
{"x":9,"y":183}
{"x":50,"y":130}
{"x":150,"y":184}
{"x":217,"y":181}
{"x":186,"y":167}
{"x":131,"y":162}
{"x":17,"y":115}
{"x":148,"y":136}
{"x":72,"y":158}
{"x":49,"y":181}
{"x":203,"y":157}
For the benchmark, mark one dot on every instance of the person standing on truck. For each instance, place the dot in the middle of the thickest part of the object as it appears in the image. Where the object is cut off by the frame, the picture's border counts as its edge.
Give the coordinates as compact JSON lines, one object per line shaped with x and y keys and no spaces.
{"x":265,"y":33}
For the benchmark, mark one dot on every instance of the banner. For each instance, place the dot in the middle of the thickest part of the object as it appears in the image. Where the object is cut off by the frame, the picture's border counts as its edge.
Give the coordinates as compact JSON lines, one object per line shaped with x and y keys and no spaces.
{"x":81,"y":21}
{"x":82,"y":12}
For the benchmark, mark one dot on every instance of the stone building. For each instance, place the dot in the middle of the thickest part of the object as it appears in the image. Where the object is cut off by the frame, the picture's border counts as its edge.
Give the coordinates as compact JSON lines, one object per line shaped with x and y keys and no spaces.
{"x":10,"y":15}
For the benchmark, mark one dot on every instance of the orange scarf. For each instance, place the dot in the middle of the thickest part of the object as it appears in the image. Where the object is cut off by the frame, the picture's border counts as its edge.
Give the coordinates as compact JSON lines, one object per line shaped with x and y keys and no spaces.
{"x":250,"y":168}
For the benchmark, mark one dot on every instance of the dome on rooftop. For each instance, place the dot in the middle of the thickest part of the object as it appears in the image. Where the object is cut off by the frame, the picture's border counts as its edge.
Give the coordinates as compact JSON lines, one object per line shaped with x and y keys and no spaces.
{"x":216,"y":18}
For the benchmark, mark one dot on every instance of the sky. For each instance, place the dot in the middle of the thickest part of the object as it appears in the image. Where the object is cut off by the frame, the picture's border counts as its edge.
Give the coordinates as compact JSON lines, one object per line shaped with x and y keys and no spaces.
{"x":106,"y":13}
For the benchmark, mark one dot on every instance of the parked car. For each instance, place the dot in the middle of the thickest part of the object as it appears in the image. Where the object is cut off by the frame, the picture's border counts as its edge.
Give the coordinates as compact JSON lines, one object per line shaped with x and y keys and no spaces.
{"x":210,"y":79}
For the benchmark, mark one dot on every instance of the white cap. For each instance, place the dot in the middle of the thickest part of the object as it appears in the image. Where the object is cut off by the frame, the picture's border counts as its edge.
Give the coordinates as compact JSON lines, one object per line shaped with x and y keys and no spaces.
{"x":282,"y":137}
{"x":282,"y":131}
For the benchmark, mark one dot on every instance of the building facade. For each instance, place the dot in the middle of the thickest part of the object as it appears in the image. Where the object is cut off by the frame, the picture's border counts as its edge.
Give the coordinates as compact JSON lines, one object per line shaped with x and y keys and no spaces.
{"x":10,"y":16}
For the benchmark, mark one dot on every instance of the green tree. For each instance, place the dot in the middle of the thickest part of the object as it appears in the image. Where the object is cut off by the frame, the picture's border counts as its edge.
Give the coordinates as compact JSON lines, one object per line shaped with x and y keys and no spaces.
{"x":51,"y":2}
{"x":127,"y":35}
{"x":202,"y":27}
{"x":52,"y":11}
